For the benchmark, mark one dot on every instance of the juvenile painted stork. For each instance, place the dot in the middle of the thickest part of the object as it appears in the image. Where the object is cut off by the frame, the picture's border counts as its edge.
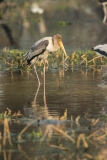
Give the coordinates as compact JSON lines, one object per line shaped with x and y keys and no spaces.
{"x":41,"y":49}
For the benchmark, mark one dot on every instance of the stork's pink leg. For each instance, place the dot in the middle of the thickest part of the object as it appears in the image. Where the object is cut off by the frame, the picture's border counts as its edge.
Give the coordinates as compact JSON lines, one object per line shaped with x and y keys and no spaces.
{"x":38,"y":82}
{"x":44,"y":96}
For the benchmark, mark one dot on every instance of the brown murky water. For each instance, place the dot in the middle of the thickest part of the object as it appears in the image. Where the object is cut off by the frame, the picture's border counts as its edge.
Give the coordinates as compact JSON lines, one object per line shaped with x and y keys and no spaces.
{"x":78,"y":91}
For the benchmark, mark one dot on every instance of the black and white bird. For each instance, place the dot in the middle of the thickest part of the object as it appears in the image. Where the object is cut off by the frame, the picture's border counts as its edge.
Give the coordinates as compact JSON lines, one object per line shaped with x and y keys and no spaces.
{"x":101,"y":50}
{"x":41,"y":49}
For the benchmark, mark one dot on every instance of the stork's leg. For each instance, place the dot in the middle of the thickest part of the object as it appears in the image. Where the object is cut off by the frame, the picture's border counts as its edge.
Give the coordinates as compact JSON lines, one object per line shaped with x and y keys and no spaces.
{"x":105,"y":12}
{"x":38,"y":82}
{"x":44,"y":96}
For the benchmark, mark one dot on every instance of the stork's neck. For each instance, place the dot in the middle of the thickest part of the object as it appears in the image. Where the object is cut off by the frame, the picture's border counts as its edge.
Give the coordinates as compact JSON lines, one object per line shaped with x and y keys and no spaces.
{"x":55,"y":44}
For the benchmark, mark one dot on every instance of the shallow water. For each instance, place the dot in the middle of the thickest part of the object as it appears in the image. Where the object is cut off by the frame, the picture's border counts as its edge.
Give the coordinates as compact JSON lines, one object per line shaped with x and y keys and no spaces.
{"x":78,"y":91}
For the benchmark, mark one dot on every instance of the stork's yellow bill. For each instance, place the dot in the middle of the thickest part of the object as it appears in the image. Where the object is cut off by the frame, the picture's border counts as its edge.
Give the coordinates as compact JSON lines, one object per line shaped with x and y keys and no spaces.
{"x":62,"y":47}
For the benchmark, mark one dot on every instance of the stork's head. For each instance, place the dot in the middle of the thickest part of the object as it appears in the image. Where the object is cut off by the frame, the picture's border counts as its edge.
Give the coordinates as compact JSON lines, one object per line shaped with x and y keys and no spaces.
{"x":59,"y":41}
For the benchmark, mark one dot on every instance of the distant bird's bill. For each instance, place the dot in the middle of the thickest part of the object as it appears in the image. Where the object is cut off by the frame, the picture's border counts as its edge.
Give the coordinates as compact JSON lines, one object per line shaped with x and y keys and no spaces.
{"x":62,"y":47}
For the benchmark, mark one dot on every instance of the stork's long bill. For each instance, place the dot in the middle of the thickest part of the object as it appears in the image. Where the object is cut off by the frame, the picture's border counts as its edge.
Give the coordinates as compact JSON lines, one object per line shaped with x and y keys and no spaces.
{"x":62,"y":47}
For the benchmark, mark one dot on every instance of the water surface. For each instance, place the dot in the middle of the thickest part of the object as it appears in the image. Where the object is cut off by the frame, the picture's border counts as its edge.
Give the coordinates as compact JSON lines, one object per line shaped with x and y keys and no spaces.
{"x":78,"y":91}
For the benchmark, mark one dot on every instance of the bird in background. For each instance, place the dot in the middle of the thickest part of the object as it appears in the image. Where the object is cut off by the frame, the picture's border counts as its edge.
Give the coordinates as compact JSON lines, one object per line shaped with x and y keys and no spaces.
{"x":101,"y":50}
{"x":40,"y":51}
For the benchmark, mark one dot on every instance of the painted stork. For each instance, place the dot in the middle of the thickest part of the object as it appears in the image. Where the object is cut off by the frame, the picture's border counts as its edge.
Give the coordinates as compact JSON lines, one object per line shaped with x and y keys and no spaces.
{"x":41,"y":49}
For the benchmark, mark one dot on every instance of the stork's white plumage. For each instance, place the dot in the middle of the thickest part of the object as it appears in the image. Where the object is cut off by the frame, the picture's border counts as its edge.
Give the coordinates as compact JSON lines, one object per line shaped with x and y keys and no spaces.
{"x":101,"y":50}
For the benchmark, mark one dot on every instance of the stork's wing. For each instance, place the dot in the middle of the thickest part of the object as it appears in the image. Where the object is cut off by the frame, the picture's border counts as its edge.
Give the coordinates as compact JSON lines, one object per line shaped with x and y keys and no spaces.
{"x":37,"y":49}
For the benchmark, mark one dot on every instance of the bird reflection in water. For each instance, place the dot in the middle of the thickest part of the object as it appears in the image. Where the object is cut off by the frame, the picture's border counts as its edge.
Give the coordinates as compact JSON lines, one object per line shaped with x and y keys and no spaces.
{"x":42,"y":112}
{"x":35,"y":111}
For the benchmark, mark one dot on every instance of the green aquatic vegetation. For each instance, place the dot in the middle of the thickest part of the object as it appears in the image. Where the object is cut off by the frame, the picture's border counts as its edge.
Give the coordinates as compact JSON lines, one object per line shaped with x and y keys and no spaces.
{"x":13,"y":60}
{"x":1,"y":116}
{"x":16,"y":52}
{"x":62,"y":23}
{"x":36,"y":134}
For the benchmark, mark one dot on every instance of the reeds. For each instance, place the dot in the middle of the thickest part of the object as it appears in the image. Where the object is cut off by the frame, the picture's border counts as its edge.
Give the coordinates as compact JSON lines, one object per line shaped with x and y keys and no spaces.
{"x":13,"y":60}
{"x":76,"y":143}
